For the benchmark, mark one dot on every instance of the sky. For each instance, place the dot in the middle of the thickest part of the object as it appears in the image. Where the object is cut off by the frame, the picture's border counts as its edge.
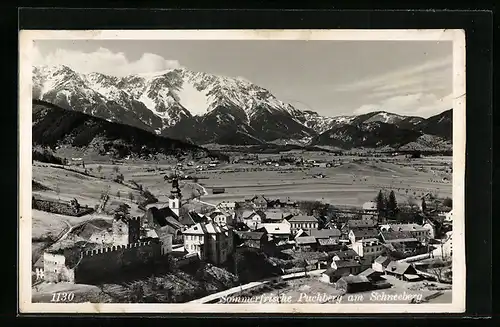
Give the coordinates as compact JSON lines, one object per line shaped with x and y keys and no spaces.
{"x":330,"y":77}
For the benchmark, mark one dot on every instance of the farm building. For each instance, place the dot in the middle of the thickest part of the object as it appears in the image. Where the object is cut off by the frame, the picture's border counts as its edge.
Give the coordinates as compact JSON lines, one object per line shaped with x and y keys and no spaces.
{"x":353,"y":284}
{"x":402,"y":270}
{"x":306,"y":242}
{"x":218,"y":190}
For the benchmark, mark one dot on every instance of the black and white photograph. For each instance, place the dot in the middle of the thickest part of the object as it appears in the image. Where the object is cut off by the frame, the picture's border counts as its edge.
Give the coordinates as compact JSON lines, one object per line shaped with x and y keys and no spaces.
{"x":242,"y":171}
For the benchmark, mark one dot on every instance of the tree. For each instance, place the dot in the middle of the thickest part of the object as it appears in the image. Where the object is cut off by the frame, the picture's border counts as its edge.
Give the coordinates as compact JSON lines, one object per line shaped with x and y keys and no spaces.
{"x":116,"y":169}
{"x":99,"y":169}
{"x":131,"y":196}
{"x":392,"y":205}
{"x":58,"y":192}
{"x":118,"y":194}
{"x":381,"y":205}
{"x":448,"y":202}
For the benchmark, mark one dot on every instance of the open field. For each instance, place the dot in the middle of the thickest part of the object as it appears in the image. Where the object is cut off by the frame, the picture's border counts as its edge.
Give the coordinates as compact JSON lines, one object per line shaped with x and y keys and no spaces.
{"x":350,"y":183}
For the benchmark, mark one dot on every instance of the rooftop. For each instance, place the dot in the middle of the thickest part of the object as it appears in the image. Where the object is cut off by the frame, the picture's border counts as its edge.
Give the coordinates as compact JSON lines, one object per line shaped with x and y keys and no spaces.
{"x":325,"y":233}
{"x":303,"y":218}
{"x":365,"y":233}
{"x":346,"y":263}
{"x":272,"y":228}
{"x":306,"y":240}
{"x":354,"y":279}
{"x":250,"y":235}
{"x":397,"y":236}
{"x":358,"y":223}
{"x":370,"y":206}
{"x":202,"y":229}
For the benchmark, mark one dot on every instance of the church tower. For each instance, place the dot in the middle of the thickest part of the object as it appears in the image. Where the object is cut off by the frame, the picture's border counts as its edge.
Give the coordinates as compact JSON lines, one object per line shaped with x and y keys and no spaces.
{"x":174,"y":200}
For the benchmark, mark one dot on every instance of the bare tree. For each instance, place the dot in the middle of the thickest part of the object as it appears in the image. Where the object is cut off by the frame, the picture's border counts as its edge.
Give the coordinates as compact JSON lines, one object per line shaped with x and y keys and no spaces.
{"x":99,"y":169}
{"x":58,"y":192}
{"x":116,"y":169}
{"x":131,"y":197}
{"x":118,"y":194}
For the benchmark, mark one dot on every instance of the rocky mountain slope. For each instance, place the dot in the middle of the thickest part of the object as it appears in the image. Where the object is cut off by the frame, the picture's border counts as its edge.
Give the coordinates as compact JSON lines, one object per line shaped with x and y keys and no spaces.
{"x":55,"y":127}
{"x":203,"y":108}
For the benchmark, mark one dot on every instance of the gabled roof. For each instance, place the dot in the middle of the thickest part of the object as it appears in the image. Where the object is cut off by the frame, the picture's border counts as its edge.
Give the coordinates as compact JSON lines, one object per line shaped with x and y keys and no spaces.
{"x":248,"y":214}
{"x":273,"y":215}
{"x":302,"y":218}
{"x":259,"y":198}
{"x":383,"y":260}
{"x":256,"y":236}
{"x":165,"y":216}
{"x":354,"y":279}
{"x":369,"y":272}
{"x":202,"y":229}
{"x":345,"y":254}
{"x":365,"y":233}
{"x":407,"y":227}
{"x":325,"y":233}
{"x":305,"y":240}
{"x":397,"y":236}
{"x":346,"y":263}
{"x":399,"y":268}
{"x":277,"y":229}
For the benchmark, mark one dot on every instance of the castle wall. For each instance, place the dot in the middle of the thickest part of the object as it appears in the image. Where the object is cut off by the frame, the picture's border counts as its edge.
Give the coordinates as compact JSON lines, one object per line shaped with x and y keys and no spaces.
{"x":98,"y":264}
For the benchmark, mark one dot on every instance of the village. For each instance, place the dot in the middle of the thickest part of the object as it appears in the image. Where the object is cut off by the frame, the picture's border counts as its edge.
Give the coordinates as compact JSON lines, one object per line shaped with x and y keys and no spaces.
{"x":373,"y":247}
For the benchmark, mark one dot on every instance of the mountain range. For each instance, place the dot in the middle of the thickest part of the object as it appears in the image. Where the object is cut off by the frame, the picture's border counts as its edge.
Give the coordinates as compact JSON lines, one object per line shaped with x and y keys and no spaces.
{"x":203,"y":108}
{"x":54,"y":127}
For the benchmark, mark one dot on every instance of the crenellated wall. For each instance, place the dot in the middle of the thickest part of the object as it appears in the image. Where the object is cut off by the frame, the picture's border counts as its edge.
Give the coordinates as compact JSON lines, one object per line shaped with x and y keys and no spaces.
{"x":102,"y":263}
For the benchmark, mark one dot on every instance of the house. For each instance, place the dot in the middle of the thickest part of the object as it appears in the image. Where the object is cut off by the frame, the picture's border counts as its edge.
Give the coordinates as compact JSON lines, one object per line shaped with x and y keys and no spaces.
{"x":430,"y":227}
{"x":251,"y":218}
{"x":346,"y":266}
{"x":259,"y":202}
{"x":361,"y":224}
{"x":273,"y":216}
{"x":368,"y":248}
{"x":219,"y":217}
{"x":192,"y":218}
{"x":164,"y":219}
{"x":212,"y":242}
{"x":353,"y":284}
{"x":306,"y":223}
{"x":277,"y":232}
{"x":380,"y":263}
{"x":329,"y":275}
{"x":230,"y":206}
{"x":372,"y":275}
{"x":395,"y":238}
{"x":331,"y":233}
{"x":417,"y":231}
{"x":365,"y":233}
{"x":306,"y":243}
{"x":257,"y":240}
{"x":402,"y":270}
{"x":345,"y":255}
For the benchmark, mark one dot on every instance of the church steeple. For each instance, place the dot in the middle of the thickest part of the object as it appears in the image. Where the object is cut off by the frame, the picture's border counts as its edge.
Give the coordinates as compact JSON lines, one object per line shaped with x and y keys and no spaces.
{"x":175,"y":196}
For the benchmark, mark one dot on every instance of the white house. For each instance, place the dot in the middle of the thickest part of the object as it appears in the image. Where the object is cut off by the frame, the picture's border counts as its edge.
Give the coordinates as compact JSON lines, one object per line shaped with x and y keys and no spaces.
{"x":251,"y":218}
{"x":368,"y":248}
{"x":212,"y":242}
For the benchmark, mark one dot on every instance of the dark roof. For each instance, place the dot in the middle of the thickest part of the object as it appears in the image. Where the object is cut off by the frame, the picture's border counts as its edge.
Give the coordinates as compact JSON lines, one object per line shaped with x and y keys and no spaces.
{"x":400,"y":268}
{"x":365,"y":233}
{"x":354,"y":279}
{"x":345,"y":254}
{"x":306,"y":240}
{"x":330,"y":271}
{"x":370,"y":272}
{"x":302,"y":218}
{"x":325,"y":233}
{"x":346,"y":263}
{"x":358,"y":223}
{"x":397,"y":236}
{"x":250,"y":235}
{"x":165,"y":216}
{"x":259,"y":198}
{"x":383,"y":260}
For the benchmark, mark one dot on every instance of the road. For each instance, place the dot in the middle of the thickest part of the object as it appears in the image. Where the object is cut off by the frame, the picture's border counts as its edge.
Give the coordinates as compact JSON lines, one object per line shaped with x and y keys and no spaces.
{"x":237,"y":289}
